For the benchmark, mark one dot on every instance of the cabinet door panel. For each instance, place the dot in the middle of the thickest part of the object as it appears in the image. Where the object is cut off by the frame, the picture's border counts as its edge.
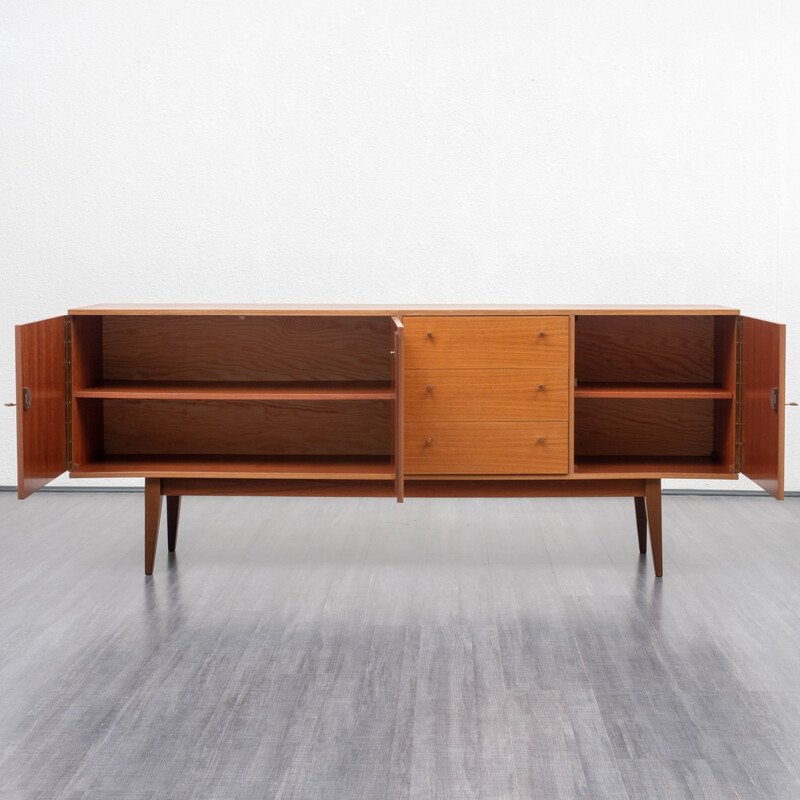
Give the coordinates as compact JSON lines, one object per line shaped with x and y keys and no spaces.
{"x":486,"y":342}
{"x":483,"y":394}
{"x":763,"y":393}
{"x":398,"y":405}
{"x":486,"y":448}
{"x":41,"y":404}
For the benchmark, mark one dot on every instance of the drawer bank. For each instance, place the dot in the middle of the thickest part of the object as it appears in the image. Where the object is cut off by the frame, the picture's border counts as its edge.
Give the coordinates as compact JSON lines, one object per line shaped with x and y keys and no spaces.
{"x":421,"y":401}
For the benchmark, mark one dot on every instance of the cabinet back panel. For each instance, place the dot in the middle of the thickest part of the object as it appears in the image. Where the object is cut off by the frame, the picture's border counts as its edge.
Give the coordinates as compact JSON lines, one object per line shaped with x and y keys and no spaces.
{"x":249,"y":349}
{"x":643,"y":427}
{"x":161,"y":427}
{"x":646,"y":349}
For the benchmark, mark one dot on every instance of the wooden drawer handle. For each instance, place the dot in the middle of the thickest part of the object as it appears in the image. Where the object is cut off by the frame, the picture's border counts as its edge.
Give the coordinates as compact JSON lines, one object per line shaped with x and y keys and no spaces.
{"x":429,"y":388}
{"x":540,"y":440}
{"x":430,"y":335}
{"x":428,"y":440}
{"x":541,"y":387}
{"x":541,"y":333}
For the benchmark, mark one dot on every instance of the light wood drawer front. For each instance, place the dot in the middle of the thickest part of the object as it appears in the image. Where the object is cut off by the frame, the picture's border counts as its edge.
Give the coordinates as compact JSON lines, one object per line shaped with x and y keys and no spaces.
{"x":485,"y":448}
{"x":486,"y":342}
{"x":486,"y":394}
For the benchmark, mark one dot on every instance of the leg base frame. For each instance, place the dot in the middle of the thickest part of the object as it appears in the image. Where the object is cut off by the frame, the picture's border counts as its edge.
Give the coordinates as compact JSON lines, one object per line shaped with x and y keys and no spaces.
{"x":645,"y":492}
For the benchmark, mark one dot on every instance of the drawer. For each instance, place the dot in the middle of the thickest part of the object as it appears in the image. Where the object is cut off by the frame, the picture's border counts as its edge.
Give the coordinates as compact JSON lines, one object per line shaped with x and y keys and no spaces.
{"x":486,"y":342}
{"x":485,"y":448}
{"x":486,"y":394}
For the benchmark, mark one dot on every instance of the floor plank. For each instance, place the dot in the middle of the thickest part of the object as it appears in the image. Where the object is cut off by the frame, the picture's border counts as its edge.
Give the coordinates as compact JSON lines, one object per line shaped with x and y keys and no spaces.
{"x":359,"y":648}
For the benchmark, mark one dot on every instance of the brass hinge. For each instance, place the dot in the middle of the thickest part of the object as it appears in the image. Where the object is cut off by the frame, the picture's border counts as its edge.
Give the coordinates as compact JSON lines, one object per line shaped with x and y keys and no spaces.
{"x":68,"y":386}
{"x":739,"y":358}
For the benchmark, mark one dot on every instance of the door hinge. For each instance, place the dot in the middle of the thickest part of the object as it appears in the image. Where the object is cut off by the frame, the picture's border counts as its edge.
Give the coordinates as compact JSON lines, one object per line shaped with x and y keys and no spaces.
{"x":68,"y":387}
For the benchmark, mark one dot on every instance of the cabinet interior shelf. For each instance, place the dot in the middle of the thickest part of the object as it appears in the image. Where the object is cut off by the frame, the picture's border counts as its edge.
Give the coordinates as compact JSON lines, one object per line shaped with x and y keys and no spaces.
{"x":205,"y":466}
{"x":660,"y":466}
{"x":644,"y":391}
{"x":240,"y":390}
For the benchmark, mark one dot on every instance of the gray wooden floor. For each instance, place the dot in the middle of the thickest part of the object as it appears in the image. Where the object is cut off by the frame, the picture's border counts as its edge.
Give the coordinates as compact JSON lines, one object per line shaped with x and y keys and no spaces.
{"x":336,"y":648}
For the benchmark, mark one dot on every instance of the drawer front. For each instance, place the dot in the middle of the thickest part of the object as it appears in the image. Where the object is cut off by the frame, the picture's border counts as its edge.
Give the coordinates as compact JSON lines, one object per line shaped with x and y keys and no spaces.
{"x":485,"y":448}
{"x":486,"y":394}
{"x":485,"y":342}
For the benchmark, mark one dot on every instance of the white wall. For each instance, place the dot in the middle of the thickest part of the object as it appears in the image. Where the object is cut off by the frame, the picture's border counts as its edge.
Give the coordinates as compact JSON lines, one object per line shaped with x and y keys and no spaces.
{"x":521,"y":151}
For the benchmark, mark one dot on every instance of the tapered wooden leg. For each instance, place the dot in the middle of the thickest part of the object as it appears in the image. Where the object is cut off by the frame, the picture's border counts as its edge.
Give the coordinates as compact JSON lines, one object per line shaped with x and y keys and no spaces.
{"x":641,"y":524}
{"x":652,"y":491}
{"x":173,"y":515}
{"x":152,"y":517}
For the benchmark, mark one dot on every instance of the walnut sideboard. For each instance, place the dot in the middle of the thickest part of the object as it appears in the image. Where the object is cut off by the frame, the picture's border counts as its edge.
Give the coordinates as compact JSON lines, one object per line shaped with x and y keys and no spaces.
{"x":421,"y":401}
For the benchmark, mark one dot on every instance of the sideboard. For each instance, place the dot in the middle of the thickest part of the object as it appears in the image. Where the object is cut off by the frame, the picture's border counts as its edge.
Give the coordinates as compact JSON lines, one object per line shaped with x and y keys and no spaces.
{"x":418,"y":401}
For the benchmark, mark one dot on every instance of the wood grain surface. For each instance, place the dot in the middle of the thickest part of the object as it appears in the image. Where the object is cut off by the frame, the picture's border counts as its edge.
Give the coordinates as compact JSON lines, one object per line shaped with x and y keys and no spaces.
{"x":763,"y":427}
{"x":398,"y":406}
{"x":247,"y":427}
{"x":42,"y":428}
{"x":644,"y":349}
{"x":664,"y":391}
{"x":86,"y":356}
{"x":544,"y":487}
{"x":230,"y":348}
{"x":240,"y":390}
{"x":487,"y":342}
{"x":327,"y":486}
{"x":485,"y":447}
{"x":607,"y":427}
{"x":371,"y":310}
{"x":725,"y":374}
{"x":295,"y":467}
{"x":486,"y":394}
{"x":616,"y":466}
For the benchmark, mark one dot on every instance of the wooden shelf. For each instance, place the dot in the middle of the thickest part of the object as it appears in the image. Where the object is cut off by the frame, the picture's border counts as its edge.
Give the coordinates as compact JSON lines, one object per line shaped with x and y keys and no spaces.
{"x":278,"y":467}
{"x":240,"y":390}
{"x":653,"y":466}
{"x":647,"y":391}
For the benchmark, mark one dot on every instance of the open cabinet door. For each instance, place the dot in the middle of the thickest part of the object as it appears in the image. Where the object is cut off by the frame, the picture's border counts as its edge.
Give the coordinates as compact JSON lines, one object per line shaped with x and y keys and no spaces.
{"x":41,"y":404}
{"x":763,"y":389}
{"x":397,"y":427}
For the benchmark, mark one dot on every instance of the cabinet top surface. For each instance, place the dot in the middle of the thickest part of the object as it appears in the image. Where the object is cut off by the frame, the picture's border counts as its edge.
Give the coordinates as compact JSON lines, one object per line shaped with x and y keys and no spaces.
{"x":279,"y":309}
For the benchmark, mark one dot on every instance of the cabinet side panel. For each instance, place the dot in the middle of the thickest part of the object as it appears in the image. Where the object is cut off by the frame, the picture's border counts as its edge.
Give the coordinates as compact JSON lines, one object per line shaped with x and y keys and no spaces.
{"x":725,"y":377}
{"x":763,"y":371}
{"x":571,"y":397}
{"x":41,"y":424}
{"x":87,"y":370}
